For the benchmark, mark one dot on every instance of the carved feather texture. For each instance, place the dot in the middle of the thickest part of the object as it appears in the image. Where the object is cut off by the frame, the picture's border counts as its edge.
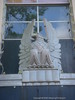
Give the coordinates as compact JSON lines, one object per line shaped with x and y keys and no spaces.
{"x":53,"y":43}
{"x":25,"y":46}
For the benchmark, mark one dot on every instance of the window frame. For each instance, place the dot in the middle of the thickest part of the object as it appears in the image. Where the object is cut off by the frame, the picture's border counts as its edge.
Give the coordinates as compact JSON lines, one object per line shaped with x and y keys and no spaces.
{"x":37,"y":5}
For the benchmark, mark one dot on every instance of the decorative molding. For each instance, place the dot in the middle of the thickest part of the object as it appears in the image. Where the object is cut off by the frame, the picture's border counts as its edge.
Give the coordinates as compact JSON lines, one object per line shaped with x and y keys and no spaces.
{"x":22,"y":80}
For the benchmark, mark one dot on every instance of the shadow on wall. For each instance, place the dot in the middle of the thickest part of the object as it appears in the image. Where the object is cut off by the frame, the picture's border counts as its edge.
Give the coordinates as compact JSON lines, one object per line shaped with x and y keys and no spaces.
{"x":10,"y":57}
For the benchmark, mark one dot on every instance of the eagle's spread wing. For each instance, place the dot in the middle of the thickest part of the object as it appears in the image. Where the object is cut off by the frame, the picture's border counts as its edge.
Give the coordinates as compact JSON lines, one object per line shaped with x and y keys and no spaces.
{"x":53,"y":43}
{"x":25,"y":46}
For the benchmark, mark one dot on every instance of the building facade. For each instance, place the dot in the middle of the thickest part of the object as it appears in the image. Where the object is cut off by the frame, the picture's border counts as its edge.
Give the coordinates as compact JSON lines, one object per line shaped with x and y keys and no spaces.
{"x":14,"y":18}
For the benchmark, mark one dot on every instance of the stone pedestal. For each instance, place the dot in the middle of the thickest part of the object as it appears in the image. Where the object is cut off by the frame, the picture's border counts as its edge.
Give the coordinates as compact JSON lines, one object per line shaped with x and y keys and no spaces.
{"x":40,"y":75}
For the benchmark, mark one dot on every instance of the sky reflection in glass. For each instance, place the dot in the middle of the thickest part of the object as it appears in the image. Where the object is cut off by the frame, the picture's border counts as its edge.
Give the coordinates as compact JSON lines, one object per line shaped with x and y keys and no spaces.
{"x":54,"y":13}
{"x":15,"y":30}
{"x":62,"y":29}
{"x":21,"y":13}
{"x":58,"y":15}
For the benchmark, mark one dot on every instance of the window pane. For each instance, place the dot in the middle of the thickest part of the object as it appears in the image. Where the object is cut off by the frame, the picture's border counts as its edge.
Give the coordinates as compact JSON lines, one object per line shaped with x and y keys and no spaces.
{"x":12,"y":1}
{"x":62,"y":30}
{"x":15,"y":30}
{"x":53,"y":1}
{"x":21,"y":1}
{"x":21,"y":13}
{"x":54,"y":13}
{"x":9,"y":1}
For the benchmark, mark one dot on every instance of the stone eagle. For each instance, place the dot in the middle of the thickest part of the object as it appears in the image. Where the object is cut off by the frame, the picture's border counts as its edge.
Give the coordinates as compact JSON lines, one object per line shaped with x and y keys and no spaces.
{"x":39,"y":52}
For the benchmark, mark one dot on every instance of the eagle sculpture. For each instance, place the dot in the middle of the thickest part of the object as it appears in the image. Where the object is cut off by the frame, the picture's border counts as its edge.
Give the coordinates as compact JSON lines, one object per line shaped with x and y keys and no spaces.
{"x":35,"y":51}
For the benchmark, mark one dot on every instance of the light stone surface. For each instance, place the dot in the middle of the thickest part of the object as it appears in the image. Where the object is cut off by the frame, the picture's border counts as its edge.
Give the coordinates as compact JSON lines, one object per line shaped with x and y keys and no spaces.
{"x":20,"y":80}
{"x":42,"y":75}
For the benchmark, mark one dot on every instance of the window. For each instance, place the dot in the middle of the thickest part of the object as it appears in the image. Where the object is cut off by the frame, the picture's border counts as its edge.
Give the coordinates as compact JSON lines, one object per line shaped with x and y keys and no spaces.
{"x":18,"y":16}
{"x":59,"y":17}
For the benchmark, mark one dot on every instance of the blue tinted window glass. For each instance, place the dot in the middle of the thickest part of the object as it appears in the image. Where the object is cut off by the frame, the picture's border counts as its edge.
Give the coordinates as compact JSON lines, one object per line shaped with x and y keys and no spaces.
{"x":54,"y":13}
{"x":62,"y":30}
{"x":21,"y":13}
{"x":15,"y":30}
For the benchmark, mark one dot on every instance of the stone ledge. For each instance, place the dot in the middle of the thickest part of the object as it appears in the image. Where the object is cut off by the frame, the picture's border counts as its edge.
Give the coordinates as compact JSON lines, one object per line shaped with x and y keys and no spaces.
{"x":11,"y":83}
{"x":19,"y":80}
{"x":67,"y":76}
{"x":9,"y":77}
